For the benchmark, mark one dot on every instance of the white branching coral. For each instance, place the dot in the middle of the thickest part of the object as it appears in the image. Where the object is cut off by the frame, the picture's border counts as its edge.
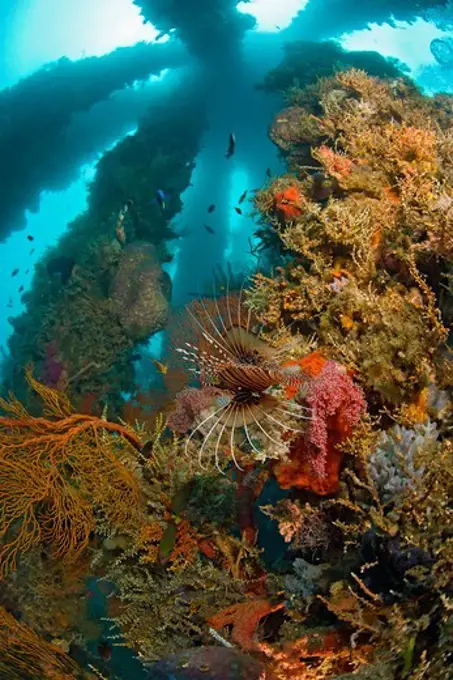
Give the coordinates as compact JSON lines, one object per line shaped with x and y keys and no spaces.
{"x":391,"y":466}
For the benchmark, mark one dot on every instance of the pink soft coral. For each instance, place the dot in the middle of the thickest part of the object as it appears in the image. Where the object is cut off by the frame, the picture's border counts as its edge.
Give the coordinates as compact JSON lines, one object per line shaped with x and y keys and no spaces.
{"x":337,"y":404}
{"x":189,"y":404}
{"x":315,"y":457}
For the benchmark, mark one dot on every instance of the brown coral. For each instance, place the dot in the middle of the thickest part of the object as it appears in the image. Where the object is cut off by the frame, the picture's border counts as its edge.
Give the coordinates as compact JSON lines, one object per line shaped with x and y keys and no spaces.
{"x":367,"y":262}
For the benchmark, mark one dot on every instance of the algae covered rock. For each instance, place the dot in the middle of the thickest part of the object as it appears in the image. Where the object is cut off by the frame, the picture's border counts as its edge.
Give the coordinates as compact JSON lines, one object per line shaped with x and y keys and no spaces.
{"x":209,"y":663}
{"x":140,"y":291}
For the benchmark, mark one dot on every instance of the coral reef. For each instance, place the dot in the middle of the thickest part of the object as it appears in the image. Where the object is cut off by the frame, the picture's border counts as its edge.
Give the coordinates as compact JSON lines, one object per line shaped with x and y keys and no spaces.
{"x":54,"y":471}
{"x":361,"y":272}
{"x":336,"y":406}
{"x":23,"y":654}
{"x":391,"y":466}
{"x":295,"y":506}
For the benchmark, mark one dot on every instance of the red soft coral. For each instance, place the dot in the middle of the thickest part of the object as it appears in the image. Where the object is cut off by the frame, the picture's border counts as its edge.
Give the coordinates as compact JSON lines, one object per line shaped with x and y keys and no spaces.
{"x":289,"y":203}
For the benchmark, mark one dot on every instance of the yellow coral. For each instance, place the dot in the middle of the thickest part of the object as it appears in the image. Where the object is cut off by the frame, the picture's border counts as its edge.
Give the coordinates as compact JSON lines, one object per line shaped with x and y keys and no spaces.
{"x":415,"y":412}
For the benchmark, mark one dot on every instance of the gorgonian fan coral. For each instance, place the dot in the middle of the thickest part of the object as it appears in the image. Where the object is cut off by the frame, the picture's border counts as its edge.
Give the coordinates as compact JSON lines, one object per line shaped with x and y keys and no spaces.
{"x":323,"y":395}
{"x":23,"y":654}
{"x":58,"y":474}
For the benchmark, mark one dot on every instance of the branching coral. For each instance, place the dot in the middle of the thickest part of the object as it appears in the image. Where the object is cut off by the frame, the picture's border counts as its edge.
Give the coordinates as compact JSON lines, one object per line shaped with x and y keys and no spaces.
{"x":304,"y":528}
{"x":368,"y":254}
{"x":50,"y":596}
{"x":328,"y":378}
{"x":363,"y":263}
{"x":161,"y":613}
{"x":404,"y":582}
{"x":57,"y":472}
{"x":427,"y":517}
{"x":391,"y":466}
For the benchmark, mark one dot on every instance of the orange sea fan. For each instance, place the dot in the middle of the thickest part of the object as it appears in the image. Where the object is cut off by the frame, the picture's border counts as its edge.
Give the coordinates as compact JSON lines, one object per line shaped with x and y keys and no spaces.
{"x":23,"y":654}
{"x":56,"y":473}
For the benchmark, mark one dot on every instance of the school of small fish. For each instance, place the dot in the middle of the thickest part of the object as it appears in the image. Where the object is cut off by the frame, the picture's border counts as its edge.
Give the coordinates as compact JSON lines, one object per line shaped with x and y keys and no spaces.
{"x":161,"y":197}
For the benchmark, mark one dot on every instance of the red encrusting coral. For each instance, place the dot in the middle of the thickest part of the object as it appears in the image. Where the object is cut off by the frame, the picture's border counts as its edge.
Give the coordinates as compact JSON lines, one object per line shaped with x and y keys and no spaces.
{"x":336,"y":406}
{"x":288,"y":203}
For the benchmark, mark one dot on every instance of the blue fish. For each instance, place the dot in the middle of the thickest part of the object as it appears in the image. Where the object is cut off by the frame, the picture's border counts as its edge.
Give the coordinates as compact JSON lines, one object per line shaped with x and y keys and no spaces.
{"x":161,"y":198}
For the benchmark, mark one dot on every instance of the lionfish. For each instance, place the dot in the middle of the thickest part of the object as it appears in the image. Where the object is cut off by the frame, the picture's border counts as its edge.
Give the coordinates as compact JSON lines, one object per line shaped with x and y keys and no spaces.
{"x":227,"y":354}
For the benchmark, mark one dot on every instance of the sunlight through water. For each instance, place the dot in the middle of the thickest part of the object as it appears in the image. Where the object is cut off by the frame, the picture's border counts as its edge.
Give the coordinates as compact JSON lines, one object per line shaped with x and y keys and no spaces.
{"x":85,"y":28}
{"x":407,"y":42}
{"x":272,"y":15}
